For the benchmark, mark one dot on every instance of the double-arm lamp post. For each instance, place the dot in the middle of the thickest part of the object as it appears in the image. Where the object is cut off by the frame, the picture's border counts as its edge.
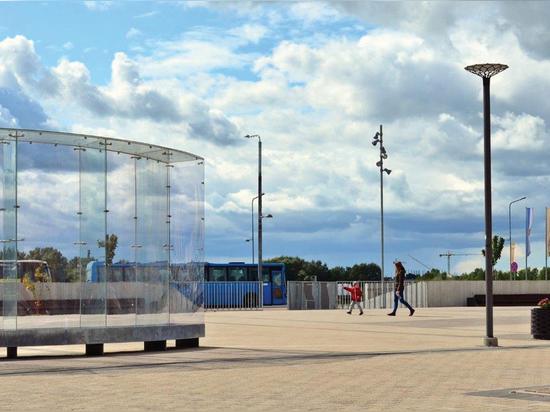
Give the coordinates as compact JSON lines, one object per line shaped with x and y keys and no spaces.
{"x":378,"y":139}
{"x":486,"y":71}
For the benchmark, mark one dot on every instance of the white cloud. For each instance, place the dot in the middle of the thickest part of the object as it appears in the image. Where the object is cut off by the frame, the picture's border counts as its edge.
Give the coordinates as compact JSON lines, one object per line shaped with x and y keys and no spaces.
{"x":519,"y":132}
{"x":133,"y":33}
{"x":97,"y":5}
{"x":146,"y":15}
{"x":252,"y":33}
{"x":6,"y":119}
{"x":68,"y":45}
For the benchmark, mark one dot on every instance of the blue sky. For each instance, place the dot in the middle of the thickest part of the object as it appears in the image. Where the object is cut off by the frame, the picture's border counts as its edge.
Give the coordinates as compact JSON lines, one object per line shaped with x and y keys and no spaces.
{"x":315,"y":80}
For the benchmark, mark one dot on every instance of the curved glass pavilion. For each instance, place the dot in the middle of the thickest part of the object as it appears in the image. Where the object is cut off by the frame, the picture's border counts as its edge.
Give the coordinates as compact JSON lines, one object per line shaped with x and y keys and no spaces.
{"x":99,"y":237}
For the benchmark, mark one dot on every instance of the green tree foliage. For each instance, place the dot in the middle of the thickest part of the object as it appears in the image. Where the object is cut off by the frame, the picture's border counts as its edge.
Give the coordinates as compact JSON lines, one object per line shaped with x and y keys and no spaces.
{"x":497,"y":245}
{"x":300,"y":269}
{"x":110,"y":244}
{"x":433,"y":274}
{"x":77,"y":267}
{"x":365,"y":271}
{"x":56,"y":261}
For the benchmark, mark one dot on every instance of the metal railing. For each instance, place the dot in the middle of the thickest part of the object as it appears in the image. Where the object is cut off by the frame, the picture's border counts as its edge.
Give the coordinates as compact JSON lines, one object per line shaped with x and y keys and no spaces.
{"x":308,"y":295}
{"x":232,"y":296}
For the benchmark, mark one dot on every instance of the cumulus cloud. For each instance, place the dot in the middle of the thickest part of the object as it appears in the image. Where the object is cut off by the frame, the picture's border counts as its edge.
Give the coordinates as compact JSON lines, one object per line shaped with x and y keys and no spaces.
{"x":6,"y":118}
{"x":17,"y":109}
{"x":128,"y":95}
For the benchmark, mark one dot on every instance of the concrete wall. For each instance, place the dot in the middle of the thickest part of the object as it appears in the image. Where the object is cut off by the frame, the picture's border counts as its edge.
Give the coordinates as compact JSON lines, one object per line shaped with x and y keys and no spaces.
{"x":455,"y":293}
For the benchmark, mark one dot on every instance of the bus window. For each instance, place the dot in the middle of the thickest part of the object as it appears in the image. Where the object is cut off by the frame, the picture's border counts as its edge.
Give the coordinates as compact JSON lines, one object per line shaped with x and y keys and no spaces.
{"x":236,"y":274}
{"x":253,"y":274}
{"x":265,"y":273}
{"x":277,"y":279}
{"x":217,"y":275}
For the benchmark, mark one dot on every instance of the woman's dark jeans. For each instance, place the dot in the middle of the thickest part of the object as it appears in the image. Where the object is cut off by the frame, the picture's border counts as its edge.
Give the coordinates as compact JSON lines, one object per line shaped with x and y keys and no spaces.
{"x":399,"y":298}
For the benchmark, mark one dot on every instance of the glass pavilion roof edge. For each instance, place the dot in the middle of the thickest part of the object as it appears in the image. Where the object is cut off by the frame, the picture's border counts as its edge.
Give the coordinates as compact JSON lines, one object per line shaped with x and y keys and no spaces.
{"x":150,"y":151}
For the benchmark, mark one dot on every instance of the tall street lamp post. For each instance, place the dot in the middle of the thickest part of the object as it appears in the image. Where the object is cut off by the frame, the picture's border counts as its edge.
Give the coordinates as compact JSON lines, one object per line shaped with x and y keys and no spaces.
{"x":252,"y":225}
{"x":260,"y":279}
{"x":486,"y":71}
{"x":378,"y":138}
{"x":510,"y":229}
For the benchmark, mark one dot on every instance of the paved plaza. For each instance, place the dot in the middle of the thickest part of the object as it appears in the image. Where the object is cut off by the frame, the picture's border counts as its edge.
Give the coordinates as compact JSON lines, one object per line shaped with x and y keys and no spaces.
{"x":296,"y":360}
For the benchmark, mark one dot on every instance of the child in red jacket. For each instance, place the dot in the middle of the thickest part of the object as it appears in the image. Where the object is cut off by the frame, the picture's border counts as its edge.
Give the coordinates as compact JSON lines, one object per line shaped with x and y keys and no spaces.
{"x":356,"y":297}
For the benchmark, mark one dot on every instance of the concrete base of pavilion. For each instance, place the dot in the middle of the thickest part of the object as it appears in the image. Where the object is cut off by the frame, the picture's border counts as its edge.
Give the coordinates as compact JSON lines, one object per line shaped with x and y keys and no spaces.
{"x":154,"y":337}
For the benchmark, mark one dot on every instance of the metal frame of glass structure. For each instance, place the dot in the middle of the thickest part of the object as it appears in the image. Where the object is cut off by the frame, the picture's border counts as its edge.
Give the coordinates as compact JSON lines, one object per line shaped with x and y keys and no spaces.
{"x":133,"y":211}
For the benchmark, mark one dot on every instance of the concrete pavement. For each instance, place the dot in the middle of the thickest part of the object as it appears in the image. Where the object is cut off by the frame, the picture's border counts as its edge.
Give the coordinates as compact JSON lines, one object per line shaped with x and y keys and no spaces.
{"x":297,"y":360}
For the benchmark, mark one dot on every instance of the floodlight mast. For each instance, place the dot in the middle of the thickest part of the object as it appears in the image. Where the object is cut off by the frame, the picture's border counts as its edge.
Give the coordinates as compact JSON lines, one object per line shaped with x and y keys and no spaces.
{"x":379,"y":139}
{"x":486,"y":71}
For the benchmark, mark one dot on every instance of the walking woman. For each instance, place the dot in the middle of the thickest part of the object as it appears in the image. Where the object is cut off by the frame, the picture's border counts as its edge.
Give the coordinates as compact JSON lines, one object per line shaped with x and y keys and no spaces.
{"x":399,"y":289}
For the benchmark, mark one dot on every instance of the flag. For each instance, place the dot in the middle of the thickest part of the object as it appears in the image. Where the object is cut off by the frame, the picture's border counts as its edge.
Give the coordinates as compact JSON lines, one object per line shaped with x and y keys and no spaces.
{"x":529,"y":211}
{"x":547,"y":232}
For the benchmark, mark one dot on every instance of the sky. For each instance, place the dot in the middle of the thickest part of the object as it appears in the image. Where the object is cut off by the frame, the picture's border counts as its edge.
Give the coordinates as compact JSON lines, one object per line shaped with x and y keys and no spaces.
{"x":315,"y":80}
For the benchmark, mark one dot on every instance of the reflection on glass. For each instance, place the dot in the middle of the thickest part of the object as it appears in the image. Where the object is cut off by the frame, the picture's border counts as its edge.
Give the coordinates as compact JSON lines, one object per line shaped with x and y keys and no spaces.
{"x":99,"y":232}
{"x":93,"y":236}
{"x":10,"y":280}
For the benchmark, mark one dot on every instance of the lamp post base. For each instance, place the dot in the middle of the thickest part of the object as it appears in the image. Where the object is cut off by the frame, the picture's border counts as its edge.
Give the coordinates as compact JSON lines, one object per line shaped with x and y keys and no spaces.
{"x":491,"y":342}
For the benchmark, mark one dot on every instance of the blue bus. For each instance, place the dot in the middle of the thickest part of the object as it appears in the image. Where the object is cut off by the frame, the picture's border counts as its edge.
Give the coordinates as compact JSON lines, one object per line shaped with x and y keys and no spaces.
{"x":233,"y":284}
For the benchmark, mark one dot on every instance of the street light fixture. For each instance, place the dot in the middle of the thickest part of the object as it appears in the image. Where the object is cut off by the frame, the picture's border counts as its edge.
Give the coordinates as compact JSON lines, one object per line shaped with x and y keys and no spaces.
{"x":378,"y":139}
{"x":510,"y":229}
{"x":260,"y":278}
{"x":486,"y":71}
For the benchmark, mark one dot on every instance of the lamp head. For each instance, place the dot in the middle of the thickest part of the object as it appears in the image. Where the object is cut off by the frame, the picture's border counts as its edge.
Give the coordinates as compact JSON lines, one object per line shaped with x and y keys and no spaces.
{"x":379,"y":163}
{"x":486,"y":70}
{"x":388,"y":171}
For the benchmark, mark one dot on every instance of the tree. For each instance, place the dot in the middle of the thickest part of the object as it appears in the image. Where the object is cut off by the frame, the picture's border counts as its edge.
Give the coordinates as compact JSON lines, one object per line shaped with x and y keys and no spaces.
{"x":76,"y":267}
{"x":110,"y":243}
{"x":365,"y":271}
{"x":56,"y":261}
{"x":497,"y":245}
{"x":339,"y":273}
{"x":314,"y":270}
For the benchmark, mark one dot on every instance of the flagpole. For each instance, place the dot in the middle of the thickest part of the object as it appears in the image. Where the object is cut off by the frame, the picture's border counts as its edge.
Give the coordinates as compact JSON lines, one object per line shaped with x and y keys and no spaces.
{"x":526,"y":238}
{"x":546,"y":249}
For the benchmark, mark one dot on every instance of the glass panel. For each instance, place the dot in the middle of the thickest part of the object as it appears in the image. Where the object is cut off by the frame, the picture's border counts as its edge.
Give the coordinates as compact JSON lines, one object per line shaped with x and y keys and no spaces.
{"x":10,"y":280}
{"x":92,"y":241}
{"x":121,"y":294}
{"x":153,"y":245}
{"x":187,"y":237}
{"x":47,"y":221}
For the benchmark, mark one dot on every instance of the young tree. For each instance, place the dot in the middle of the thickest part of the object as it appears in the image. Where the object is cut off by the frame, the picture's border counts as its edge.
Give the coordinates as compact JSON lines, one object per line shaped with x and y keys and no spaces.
{"x":110,"y":243}
{"x":497,"y":245}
